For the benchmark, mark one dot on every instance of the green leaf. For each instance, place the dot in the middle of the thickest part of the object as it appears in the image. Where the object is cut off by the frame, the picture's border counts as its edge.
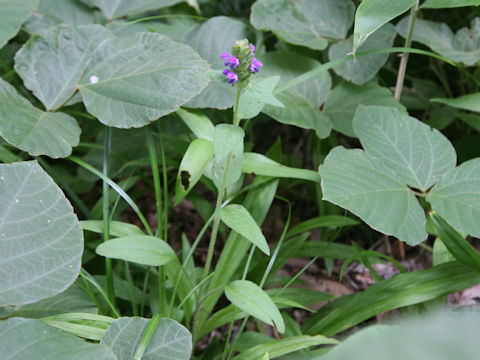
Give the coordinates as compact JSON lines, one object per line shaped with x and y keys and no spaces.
{"x":194,"y":162}
{"x":469,"y":102}
{"x":239,"y":219}
{"x":284,"y":346}
{"x":12,"y":16}
{"x":457,"y":197}
{"x":361,"y":70}
{"x":364,"y":185}
{"x":36,"y":216}
{"x":74,"y":299}
{"x":117,"y":228}
{"x":67,"y":48}
{"x":256,"y":95}
{"x":441,"y":4}
{"x":120,"y":8}
{"x":35,"y":131}
{"x":418,"y":154}
{"x":218,"y":94}
{"x":23,"y":339}
{"x":456,"y":244}
{"x":471,"y":119}
{"x":371,"y":15}
{"x":308,"y":23}
{"x":227,"y":139}
{"x":250,"y":298}
{"x":344,"y":99}
{"x":134,"y":80}
{"x":259,"y":164}
{"x":49,"y":13}
{"x":198,"y":123}
{"x":170,"y":341}
{"x":459,"y":47}
{"x":88,"y":326}
{"x":328,"y":250}
{"x":141,"y":249}
{"x":331,"y":221}
{"x":439,"y":336}
{"x":400,"y":291}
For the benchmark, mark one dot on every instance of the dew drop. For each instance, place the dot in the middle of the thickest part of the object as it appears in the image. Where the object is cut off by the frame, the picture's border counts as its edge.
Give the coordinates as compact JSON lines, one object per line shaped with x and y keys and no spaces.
{"x":49,"y":220}
{"x":17,"y":201}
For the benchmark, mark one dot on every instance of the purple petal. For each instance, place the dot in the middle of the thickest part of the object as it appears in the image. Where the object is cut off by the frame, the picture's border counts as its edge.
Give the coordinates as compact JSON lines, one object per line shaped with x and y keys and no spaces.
{"x":256,"y":63}
{"x":252,"y":47}
{"x":225,"y":55}
{"x":233,"y":62}
{"x":232,"y":78}
{"x":225,"y":71}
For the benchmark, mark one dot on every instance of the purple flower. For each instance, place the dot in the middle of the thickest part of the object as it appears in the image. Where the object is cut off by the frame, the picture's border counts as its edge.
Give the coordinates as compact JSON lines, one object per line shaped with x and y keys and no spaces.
{"x":224,"y":55}
{"x":253,"y":48}
{"x":232,"y":61}
{"x":256,"y":65}
{"x":232,"y":78}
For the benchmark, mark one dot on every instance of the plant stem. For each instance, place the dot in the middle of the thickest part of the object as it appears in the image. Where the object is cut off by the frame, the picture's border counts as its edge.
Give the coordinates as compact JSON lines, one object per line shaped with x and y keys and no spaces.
{"x":106,"y":212}
{"x":408,"y":42}
{"x":147,"y":336}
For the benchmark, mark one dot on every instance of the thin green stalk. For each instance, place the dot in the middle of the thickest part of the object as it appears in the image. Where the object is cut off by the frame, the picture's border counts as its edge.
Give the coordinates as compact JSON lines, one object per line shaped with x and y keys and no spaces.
{"x":131,"y":286}
{"x":165,"y":187}
{"x":106,"y":212}
{"x":249,"y":261}
{"x":230,"y":354}
{"x":404,"y":60}
{"x":85,"y":275}
{"x":147,"y":336}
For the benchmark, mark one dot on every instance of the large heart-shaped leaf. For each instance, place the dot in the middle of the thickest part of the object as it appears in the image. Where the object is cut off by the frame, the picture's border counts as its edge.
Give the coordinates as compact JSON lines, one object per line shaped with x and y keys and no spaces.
{"x":170,"y":341}
{"x":418,"y":154}
{"x":457,"y":197}
{"x":344,"y":99}
{"x":67,"y":49}
{"x":225,"y":31}
{"x":23,"y":339}
{"x":13,"y":14}
{"x":371,"y":15}
{"x":459,"y":47}
{"x":304,"y":22}
{"x":113,"y":9}
{"x":134,"y":80}
{"x":40,"y":239}
{"x":363,"y":69}
{"x":32,"y":130}
{"x":49,"y":13}
{"x":364,"y":185}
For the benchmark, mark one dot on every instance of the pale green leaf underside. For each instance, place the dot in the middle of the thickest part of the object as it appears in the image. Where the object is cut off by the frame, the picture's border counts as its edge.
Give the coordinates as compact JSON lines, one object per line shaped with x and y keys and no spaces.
{"x":210,"y":39}
{"x":227,"y":139}
{"x":256,"y":95}
{"x":364,"y":185}
{"x":363,"y":69}
{"x":138,"y":79}
{"x":457,"y":197}
{"x":304,"y":22}
{"x":343,"y":100}
{"x":68,"y":50}
{"x":113,"y":9}
{"x":12,"y":15}
{"x":40,"y":240}
{"x":469,"y":102}
{"x":198,"y":123}
{"x":117,"y":228}
{"x":239,"y":220}
{"x":140,"y":249}
{"x":170,"y":341}
{"x":373,"y":14}
{"x":249,"y":297}
{"x":35,"y":131}
{"x":439,"y":4}
{"x":418,"y":154}
{"x":463,"y":46}
{"x":22,"y":339}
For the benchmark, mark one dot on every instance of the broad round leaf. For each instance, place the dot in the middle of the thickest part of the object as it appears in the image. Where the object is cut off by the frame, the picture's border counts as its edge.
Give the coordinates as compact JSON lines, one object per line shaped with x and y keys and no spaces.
{"x":304,"y":22}
{"x":40,"y":239}
{"x":249,"y":297}
{"x":239,"y":219}
{"x":210,"y":39}
{"x":457,"y":197}
{"x":418,"y":154}
{"x":66,"y":48}
{"x":170,"y":341}
{"x":22,"y":339}
{"x":135,"y":80}
{"x":13,"y":14}
{"x":343,"y":100}
{"x":113,"y":9}
{"x":364,"y":185}
{"x":363,"y":69}
{"x":141,"y":249}
{"x":32,"y":130}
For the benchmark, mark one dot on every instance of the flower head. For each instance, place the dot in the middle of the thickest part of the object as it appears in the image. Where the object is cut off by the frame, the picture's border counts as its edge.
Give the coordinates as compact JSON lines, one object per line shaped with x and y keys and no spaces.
{"x":241,"y":64}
